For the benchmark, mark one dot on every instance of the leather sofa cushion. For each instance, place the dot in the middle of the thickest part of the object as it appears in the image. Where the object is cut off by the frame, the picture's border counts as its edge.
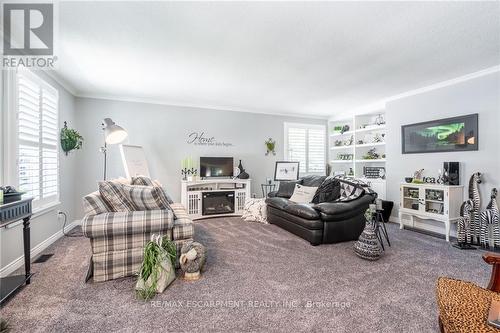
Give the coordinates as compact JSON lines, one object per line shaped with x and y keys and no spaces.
{"x":303,"y":210}
{"x":312,"y":180}
{"x":286,"y":188}
{"x":328,"y":191}
{"x":293,"y":219}
{"x":276,"y":202}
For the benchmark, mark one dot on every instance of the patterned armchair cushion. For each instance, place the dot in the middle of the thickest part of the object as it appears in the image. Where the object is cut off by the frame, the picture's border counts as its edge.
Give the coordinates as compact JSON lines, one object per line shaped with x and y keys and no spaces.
{"x":142,"y":180}
{"x":183,"y":225}
{"x":127,"y":223}
{"x":93,"y":204}
{"x":146,"y":197}
{"x":114,"y":195}
{"x":146,"y":181}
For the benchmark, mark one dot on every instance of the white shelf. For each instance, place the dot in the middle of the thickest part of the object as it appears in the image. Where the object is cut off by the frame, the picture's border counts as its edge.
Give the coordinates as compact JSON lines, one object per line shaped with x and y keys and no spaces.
{"x":341,"y":134}
{"x":380,"y":160}
{"x":371,"y":128}
{"x":371,"y":144}
{"x":342,"y":161}
{"x":341,"y":147}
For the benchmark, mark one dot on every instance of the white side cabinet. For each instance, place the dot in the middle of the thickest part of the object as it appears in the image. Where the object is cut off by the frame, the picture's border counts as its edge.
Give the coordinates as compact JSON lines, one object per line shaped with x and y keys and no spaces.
{"x":430,"y":201}
{"x":195,"y":193}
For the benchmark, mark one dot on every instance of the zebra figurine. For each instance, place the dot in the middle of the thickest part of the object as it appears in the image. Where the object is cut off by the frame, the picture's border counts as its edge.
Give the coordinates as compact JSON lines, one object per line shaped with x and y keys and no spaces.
{"x":464,"y":234}
{"x":474,"y":182}
{"x":490,"y":217}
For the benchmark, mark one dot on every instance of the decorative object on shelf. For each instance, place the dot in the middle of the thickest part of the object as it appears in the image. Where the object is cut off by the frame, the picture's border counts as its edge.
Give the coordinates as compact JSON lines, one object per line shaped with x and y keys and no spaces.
{"x":429,"y":180}
{"x":350,"y":141}
{"x":380,"y":120}
{"x":371,"y":155}
{"x":368,"y":245}
{"x":338,"y":143}
{"x":490,"y":217}
{"x":374,"y":172}
{"x":345,"y":157}
{"x":378,"y":138}
{"x":337,"y":128}
{"x":70,"y":139}
{"x":474,"y":182}
{"x":270,"y":145}
{"x":464,"y":231}
{"x":450,"y":134}
{"x":360,"y":142}
{"x":351,"y":172}
{"x":243,"y":174}
{"x":188,"y":169}
{"x":286,"y":171}
{"x":408,"y":179}
{"x":418,"y":177}
{"x":157,"y":271}
{"x":192,"y":259}
{"x":344,"y":129}
{"x":451,"y":174}
{"x":113,"y":134}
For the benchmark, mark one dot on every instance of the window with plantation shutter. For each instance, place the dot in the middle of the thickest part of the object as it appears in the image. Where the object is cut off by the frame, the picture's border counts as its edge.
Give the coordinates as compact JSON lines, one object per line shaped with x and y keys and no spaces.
{"x":306,"y":144}
{"x":37,"y":139}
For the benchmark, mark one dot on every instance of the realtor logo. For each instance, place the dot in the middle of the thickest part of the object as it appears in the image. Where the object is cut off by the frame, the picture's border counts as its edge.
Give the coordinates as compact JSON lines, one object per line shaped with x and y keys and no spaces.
{"x":28,"y":29}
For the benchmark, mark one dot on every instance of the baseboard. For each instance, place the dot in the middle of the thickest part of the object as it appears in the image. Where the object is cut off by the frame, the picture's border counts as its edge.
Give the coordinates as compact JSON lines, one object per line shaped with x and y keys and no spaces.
{"x":19,"y":262}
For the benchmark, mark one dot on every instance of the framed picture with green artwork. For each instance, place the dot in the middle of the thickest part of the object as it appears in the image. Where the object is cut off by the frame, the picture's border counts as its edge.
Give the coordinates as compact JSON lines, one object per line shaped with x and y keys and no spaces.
{"x":450,"y":134}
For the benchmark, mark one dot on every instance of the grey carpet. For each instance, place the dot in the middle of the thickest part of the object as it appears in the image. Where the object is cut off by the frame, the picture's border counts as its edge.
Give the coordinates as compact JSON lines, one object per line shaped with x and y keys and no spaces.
{"x":258,"y":278}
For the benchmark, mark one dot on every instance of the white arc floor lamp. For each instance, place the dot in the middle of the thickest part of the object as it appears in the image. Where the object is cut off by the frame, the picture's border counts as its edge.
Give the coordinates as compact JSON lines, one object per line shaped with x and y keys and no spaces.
{"x":113,"y":134}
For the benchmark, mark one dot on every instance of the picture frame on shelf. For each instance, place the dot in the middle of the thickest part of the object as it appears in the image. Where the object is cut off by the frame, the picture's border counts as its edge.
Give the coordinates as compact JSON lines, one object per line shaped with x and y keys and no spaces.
{"x":286,"y":171}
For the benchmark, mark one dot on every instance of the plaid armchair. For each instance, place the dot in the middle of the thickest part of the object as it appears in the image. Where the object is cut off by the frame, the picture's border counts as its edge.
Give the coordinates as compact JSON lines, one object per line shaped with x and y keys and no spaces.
{"x":117,"y":239}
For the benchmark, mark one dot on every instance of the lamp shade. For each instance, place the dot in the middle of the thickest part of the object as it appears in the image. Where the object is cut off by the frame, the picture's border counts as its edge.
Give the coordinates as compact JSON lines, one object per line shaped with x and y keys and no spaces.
{"x":113,"y":133}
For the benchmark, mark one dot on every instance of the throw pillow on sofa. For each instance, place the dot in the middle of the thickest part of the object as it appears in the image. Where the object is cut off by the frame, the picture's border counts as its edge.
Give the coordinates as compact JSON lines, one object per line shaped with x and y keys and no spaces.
{"x":328,"y":191}
{"x":114,"y":195}
{"x":286,"y":189}
{"x":303,"y":194}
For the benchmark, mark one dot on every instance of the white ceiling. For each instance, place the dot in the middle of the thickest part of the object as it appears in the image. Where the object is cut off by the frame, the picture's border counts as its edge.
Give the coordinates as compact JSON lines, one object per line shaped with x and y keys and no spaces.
{"x":316,"y":58}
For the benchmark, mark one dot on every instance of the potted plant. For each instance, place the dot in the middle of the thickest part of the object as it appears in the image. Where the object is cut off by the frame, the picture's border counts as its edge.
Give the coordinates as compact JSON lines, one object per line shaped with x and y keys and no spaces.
{"x":158,"y":267}
{"x":70,"y":139}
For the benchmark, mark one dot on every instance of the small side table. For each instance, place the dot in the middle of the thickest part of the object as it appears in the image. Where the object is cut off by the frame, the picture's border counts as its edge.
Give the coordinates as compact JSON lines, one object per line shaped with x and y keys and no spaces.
{"x":9,"y":213}
{"x":266,"y":189}
{"x":380,"y":229}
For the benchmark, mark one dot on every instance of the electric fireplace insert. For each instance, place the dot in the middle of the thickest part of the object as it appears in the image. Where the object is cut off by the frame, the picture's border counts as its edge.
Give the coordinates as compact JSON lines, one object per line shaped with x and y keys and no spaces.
{"x":221,"y":202}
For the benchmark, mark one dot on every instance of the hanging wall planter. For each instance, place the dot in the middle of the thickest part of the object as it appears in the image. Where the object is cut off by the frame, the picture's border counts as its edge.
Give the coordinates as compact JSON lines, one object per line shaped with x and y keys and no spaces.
{"x":70,"y":139}
{"x":270,"y":145}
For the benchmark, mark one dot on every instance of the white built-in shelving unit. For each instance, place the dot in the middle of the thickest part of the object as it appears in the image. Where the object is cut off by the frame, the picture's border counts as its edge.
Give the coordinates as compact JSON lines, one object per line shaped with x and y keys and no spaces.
{"x":365,"y":132}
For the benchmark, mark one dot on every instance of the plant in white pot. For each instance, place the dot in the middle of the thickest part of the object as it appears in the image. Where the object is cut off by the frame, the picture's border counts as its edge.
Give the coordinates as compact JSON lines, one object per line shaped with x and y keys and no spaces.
{"x":158,"y":267}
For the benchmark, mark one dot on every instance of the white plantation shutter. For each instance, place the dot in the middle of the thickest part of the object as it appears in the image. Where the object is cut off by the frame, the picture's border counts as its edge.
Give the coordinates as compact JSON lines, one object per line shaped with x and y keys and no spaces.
{"x":306,"y":144}
{"x":37,"y":137}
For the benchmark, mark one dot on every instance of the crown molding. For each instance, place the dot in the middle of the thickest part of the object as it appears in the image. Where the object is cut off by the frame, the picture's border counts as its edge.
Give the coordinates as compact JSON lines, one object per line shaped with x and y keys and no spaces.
{"x":189,"y":105}
{"x":380,"y":104}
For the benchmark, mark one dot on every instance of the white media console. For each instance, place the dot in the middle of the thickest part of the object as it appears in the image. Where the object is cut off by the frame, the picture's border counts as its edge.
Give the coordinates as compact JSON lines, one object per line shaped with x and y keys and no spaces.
{"x":215,"y":197}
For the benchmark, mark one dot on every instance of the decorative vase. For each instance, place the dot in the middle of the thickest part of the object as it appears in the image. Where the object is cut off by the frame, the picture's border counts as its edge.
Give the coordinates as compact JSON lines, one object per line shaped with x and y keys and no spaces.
{"x":368,"y":246}
{"x":243,"y":174}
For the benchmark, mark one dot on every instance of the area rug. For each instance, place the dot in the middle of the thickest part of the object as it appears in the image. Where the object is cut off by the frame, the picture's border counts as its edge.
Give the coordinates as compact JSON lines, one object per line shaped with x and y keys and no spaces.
{"x":258,"y":278}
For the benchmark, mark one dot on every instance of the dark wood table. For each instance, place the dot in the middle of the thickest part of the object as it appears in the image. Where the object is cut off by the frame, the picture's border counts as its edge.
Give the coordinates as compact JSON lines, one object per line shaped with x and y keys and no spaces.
{"x":10,"y":213}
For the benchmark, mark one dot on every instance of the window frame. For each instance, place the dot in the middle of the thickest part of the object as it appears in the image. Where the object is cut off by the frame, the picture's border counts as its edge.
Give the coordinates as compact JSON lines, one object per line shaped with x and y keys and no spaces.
{"x":307,"y":127}
{"x":12,"y":142}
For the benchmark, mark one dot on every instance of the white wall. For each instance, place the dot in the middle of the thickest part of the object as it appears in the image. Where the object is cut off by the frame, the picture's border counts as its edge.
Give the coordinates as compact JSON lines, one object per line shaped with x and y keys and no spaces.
{"x":46,"y":225}
{"x":163,"y":132}
{"x":479,"y":95}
